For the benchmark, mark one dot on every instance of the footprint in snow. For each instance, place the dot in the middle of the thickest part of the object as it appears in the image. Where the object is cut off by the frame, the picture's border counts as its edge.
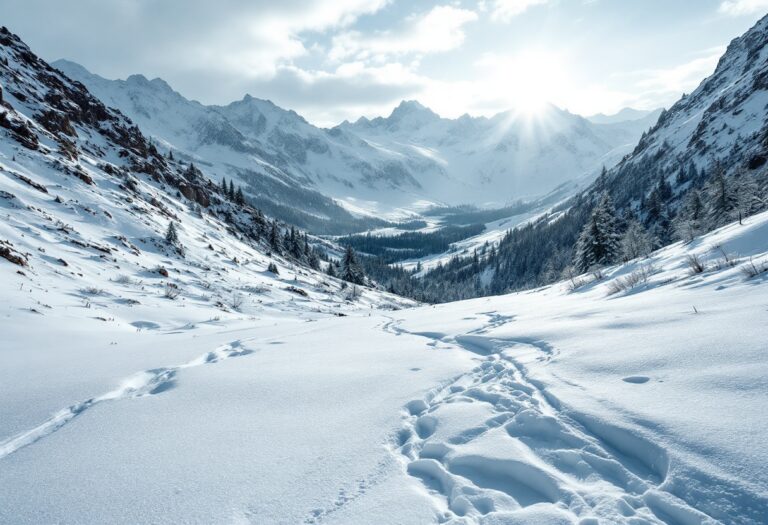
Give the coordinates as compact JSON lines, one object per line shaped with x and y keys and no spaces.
{"x":636,"y":380}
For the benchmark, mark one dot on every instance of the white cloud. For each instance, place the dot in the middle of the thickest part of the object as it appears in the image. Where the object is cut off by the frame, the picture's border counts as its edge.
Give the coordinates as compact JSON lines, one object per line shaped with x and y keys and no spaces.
{"x":743,"y":7}
{"x":681,"y":78}
{"x":438,"y":30}
{"x":178,"y":37}
{"x":505,"y":10}
{"x":350,"y":90}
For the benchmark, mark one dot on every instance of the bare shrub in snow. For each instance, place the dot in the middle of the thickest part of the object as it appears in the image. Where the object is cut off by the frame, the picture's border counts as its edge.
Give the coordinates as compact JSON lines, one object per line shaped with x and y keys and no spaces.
{"x":751,"y":269}
{"x":258,"y":289}
{"x":91,"y":290}
{"x":727,"y":261}
{"x":171,"y":292}
{"x":124,"y":279}
{"x":628,"y":282}
{"x":236,"y":301}
{"x":695,"y":264}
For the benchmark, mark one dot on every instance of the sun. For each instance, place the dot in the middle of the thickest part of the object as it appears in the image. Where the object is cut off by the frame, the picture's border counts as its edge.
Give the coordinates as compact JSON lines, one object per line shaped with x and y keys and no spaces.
{"x":534,"y":80}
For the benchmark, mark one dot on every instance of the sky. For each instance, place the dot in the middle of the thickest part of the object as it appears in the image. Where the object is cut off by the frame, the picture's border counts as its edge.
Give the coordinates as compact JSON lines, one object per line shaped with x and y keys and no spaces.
{"x":332,"y":60}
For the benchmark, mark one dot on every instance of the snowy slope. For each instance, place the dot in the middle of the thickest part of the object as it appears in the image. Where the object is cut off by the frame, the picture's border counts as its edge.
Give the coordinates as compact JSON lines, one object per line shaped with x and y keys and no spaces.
{"x":377,"y":166}
{"x":642,"y":406}
{"x":550,"y":406}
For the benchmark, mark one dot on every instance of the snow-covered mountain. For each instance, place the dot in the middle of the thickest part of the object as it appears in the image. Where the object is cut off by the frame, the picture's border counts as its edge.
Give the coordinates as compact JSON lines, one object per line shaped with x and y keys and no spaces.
{"x":87,"y":201}
{"x":492,"y":161}
{"x":625,"y":115}
{"x":408,"y":159}
{"x":724,"y":120}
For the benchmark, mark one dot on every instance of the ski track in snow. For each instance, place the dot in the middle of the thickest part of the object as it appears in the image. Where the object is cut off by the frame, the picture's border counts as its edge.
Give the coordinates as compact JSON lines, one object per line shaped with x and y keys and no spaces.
{"x":147,"y":383}
{"x":523,"y":451}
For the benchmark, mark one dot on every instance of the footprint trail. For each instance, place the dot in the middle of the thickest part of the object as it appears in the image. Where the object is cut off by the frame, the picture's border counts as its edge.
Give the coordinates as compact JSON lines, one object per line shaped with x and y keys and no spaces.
{"x":145,"y":383}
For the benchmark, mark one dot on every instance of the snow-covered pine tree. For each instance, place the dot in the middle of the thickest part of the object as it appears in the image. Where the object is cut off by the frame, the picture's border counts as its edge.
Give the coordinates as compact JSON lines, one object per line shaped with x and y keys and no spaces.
{"x":722,"y":203}
{"x":748,"y":196}
{"x":171,"y":234}
{"x":351,"y":271}
{"x":231,"y":191}
{"x":690,"y":218}
{"x":314,"y":260}
{"x":636,"y":242}
{"x":598,"y":243}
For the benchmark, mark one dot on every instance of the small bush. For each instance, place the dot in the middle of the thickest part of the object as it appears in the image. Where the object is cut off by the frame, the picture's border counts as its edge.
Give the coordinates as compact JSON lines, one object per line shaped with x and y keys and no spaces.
{"x":639,"y":276}
{"x":171,"y":291}
{"x":695,"y":264}
{"x":91,"y":290}
{"x":297,"y":291}
{"x":257,"y":289}
{"x":236,"y":301}
{"x":750,"y":269}
{"x":123,"y":279}
{"x":272,"y":268}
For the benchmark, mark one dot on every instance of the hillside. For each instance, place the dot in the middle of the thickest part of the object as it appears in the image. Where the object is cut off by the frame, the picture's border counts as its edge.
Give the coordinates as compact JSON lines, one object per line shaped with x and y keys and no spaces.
{"x":615,"y":403}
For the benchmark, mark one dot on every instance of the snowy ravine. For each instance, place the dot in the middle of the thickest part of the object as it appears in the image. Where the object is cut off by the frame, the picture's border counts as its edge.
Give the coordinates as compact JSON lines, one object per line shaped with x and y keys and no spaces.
{"x":646,"y":405}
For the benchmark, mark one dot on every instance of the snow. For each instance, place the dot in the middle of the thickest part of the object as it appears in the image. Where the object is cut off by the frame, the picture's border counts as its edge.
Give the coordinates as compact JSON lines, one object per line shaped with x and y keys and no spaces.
{"x":547,"y":406}
{"x":633,"y":397}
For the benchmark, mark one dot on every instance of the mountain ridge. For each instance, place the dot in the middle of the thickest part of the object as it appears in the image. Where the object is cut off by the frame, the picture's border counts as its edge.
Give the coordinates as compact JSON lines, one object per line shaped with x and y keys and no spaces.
{"x":363,"y":171}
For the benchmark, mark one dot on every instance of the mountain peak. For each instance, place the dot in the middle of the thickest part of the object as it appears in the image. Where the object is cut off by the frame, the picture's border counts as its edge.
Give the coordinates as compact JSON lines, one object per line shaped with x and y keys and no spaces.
{"x":71,"y":69}
{"x":411,"y":107}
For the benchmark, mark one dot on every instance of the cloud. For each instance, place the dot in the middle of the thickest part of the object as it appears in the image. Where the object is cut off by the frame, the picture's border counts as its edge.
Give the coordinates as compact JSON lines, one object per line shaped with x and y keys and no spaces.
{"x":438,"y":30}
{"x":120,"y":37}
{"x":743,"y":7}
{"x":505,"y":10}
{"x":349,"y":91}
{"x":683,"y":77}
{"x":652,"y":88}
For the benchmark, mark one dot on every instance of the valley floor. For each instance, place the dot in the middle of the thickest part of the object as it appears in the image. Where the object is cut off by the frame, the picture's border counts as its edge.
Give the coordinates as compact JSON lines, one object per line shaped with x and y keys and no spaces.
{"x":552,"y":406}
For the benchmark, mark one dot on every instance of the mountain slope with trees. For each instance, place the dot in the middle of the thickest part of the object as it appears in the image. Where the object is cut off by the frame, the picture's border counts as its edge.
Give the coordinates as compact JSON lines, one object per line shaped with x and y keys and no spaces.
{"x":703,"y":165}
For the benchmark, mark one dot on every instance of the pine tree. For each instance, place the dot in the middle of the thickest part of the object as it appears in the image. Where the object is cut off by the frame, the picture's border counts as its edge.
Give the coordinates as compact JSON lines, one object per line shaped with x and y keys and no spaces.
{"x":664,"y":190}
{"x":747,"y":196}
{"x":274,"y":237}
{"x":239,"y":197}
{"x":351,"y":270}
{"x":598,"y":243}
{"x":314,"y":260}
{"x":331,"y":269}
{"x":601,"y":184}
{"x":172,"y":235}
{"x":653,"y":208}
{"x":689,"y":221}
{"x":231,"y":191}
{"x":722,"y":202}
{"x":223,"y":187}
